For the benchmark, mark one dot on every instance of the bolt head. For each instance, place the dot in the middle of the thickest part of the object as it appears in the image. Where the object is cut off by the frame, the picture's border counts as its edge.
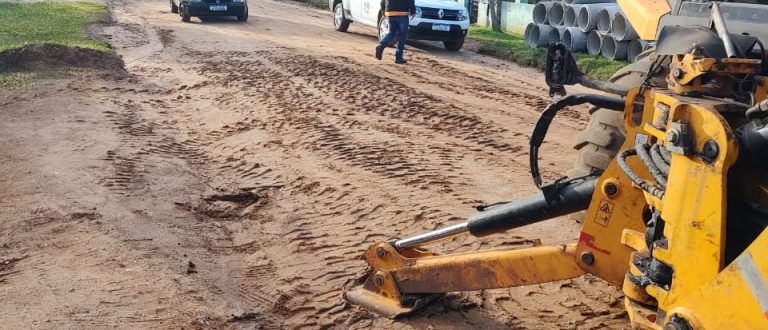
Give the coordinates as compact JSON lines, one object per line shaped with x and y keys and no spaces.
{"x":380,"y":252}
{"x":678,"y":73}
{"x":611,"y":189}
{"x":378,"y":280}
{"x":710,"y":151}
{"x":673,"y":136}
{"x":588,"y":258}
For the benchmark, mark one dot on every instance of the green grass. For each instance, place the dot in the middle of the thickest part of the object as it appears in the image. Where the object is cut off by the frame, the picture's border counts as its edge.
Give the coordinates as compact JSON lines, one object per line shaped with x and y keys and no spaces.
{"x":512,"y":47}
{"x":49,"y":22}
{"x":16,"y":79}
{"x":320,"y":4}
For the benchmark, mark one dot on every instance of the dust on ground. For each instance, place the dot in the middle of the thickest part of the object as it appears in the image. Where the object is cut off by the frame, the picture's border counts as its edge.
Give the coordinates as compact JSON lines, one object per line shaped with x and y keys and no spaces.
{"x":235,"y":175}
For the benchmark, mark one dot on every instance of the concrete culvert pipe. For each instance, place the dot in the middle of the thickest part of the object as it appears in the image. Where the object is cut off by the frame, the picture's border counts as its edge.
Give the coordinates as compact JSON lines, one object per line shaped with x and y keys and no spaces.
{"x":594,"y":42}
{"x":635,"y":47}
{"x":582,"y":2}
{"x":613,"y":49}
{"x":605,"y":17}
{"x":537,"y":35}
{"x":621,"y":29}
{"x":541,"y":12}
{"x":556,"y":14}
{"x":527,"y":35}
{"x":588,"y":16}
{"x":574,"y":39}
{"x":569,"y":18}
{"x":556,"y":34}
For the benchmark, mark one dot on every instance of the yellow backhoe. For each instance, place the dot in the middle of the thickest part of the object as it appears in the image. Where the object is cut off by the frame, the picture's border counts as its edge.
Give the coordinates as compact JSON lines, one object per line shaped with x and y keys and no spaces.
{"x":677,"y":219}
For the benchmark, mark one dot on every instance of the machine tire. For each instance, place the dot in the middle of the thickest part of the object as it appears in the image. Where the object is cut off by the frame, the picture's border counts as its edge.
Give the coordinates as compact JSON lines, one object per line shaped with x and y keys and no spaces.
{"x":599,"y":142}
{"x":184,"y":14}
{"x":244,"y":17}
{"x":454,"y":45}
{"x":340,"y":21}
{"x":174,"y":8}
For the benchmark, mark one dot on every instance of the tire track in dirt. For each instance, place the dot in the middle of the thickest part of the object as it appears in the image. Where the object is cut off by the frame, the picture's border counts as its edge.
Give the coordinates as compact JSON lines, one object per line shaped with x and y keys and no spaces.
{"x":315,"y":262}
{"x":298,"y":162}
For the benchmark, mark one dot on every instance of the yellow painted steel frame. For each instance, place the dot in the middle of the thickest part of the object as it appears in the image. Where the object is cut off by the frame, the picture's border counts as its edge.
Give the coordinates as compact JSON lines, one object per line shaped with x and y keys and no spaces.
{"x":610,"y":214}
{"x":644,"y":15}
{"x":400,"y":274}
{"x":686,"y":71}
{"x":694,"y":210}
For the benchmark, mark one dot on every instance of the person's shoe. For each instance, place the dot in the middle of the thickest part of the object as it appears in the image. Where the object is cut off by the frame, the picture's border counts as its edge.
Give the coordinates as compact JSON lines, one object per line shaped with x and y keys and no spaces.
{"x":379,"y":52}
{"x":400,"y":60}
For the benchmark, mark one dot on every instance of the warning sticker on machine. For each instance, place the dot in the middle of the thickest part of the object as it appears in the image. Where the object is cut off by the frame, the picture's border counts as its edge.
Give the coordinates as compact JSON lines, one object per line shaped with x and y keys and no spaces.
{"x":604,"y":212}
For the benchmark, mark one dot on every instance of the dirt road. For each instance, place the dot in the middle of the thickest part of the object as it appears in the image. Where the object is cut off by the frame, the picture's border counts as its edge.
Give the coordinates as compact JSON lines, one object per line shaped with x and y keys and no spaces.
{"x":235,"y":175}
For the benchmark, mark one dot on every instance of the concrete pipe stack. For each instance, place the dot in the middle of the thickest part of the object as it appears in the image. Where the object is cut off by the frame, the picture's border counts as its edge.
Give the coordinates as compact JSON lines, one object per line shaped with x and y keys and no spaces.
{"x":597,"y":27}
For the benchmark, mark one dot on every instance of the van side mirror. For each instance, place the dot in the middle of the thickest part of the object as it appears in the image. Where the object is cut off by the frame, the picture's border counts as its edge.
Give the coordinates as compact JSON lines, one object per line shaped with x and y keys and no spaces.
{"x":561,"y":69}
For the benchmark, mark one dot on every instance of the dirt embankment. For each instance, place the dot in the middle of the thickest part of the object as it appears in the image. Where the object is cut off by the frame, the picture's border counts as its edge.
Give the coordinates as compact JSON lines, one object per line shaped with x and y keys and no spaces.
{"x":51,"y":56}
{"x":236,"y":175}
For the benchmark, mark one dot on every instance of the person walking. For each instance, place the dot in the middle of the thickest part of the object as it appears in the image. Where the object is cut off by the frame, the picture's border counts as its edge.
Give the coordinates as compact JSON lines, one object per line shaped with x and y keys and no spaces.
{"x":397,"y":13}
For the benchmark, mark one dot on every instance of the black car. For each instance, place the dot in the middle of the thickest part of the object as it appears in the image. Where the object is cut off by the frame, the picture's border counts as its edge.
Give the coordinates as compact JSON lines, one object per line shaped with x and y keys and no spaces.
{"x":207,"y":8}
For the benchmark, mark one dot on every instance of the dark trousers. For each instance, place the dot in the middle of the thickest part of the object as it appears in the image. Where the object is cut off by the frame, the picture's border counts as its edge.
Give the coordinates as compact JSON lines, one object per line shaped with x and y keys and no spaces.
{"x":398,"y":27}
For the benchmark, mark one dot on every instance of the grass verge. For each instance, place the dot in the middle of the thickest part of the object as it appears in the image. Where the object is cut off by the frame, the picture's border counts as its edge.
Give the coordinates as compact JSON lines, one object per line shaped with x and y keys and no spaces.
{"x":319,"y":4}
{"x":46,"y":22}
{"x":16,"y":79}
{"x":512,"y":47}
{"x":49,"y":22}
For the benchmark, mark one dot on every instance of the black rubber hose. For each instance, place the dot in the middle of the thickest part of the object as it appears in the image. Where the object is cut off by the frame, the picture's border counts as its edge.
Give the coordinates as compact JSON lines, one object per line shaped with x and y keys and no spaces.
{"x":542,"y":125}
{"x":621,"y":159}
{"x":659,"y":160}
{"x":642,"y":151}
{"x":604,"y":86}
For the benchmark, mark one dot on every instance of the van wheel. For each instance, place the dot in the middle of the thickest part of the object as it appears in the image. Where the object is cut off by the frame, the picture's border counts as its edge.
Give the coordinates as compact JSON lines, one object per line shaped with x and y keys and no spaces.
{"x":244,"y":17}
{"x":184,"y":14}
{"x":340,"y":22}
{"x":454,"y":45}
{"x":174,"y":8}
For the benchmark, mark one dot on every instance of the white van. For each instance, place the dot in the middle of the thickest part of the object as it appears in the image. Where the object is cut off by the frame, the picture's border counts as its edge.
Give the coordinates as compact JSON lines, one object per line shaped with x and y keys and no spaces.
{"x":435,"y":20}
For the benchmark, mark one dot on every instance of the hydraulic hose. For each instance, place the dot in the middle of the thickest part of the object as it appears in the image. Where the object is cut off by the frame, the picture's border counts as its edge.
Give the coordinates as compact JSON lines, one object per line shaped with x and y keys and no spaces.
{"x":659,"y":160}
{"x":604,"y":86}
{"x":621,"y":160}
{"x":651,"y":165}
{"x":542,"y":125}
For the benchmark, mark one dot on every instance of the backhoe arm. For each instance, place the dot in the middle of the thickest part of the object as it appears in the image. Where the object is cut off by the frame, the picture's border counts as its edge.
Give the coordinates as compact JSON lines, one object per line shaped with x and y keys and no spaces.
{"x":396,"y":278}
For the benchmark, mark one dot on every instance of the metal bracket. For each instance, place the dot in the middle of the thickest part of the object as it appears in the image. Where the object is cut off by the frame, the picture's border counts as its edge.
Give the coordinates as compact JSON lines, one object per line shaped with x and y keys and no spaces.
{"x":679,"y":139}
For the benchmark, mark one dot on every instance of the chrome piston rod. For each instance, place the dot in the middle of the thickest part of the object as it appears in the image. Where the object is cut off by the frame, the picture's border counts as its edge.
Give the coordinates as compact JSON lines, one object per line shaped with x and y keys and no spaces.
{"x":525,"y":211}
{"x":432,"y":236}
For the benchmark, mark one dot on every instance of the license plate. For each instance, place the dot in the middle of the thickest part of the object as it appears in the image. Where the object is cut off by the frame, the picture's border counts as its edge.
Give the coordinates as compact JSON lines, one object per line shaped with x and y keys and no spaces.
{"x":218,"y":8}
{"x":441,"y":27}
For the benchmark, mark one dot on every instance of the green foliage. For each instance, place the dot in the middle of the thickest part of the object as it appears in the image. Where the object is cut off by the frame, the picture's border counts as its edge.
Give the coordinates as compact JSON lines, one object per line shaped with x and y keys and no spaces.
{"x":49,"y":22}
{"x":16,"y":79}
{"x":512,"y":47}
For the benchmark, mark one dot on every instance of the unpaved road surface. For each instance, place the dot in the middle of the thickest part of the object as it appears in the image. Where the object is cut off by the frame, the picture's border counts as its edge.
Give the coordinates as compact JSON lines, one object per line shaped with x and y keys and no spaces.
{"x":235,"y":175}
